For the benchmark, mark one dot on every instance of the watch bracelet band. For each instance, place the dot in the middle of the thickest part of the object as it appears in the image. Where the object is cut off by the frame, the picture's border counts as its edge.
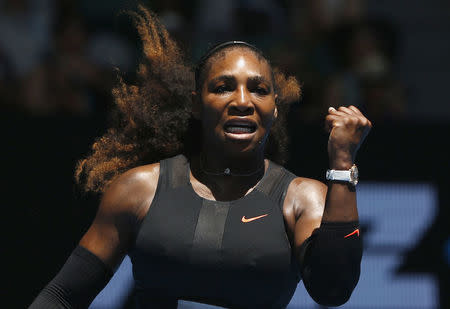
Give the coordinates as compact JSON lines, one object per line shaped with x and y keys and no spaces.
{"x":350,"y":175}
{"x":339,"y":175}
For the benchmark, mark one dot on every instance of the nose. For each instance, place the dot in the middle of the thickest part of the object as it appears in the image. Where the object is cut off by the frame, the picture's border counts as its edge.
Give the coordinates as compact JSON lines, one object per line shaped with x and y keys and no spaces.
{"x":243,"y":100}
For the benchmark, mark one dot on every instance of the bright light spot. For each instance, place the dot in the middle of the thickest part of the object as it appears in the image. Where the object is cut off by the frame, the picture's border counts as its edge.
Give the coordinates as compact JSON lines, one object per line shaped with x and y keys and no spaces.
{"x":241,"y":62}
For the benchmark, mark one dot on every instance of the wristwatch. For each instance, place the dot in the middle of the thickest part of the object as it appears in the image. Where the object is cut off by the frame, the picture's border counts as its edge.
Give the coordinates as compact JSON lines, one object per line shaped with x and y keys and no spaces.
{"x":350,"y":175}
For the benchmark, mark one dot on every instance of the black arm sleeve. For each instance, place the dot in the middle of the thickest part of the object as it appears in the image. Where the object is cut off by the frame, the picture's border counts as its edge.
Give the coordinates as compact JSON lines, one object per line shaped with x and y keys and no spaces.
{"x":330,"y":262}
{"x":80,"y":279}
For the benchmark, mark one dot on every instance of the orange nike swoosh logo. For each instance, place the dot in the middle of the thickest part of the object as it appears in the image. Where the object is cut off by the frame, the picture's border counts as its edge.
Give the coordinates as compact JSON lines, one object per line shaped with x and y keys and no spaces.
{"x":353,"y":233}
{"x":245,"y":220}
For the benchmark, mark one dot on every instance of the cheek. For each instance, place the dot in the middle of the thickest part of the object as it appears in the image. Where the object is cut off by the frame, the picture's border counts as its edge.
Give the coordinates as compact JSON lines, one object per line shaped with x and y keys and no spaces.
{"x":267,"y":113}
{"x":268,"y":123}
{"x":214,"y":104}
{"x":211,"y":115}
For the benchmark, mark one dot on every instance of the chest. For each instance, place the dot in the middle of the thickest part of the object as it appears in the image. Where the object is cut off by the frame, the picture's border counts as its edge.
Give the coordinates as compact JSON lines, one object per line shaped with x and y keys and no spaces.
{"x":186,"y":229}
{"x":192,"y":248}
{"x":185,"y":234}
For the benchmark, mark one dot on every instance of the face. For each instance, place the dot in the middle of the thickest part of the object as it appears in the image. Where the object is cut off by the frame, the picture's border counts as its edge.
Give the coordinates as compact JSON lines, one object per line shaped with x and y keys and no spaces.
{"x":237,"y":102}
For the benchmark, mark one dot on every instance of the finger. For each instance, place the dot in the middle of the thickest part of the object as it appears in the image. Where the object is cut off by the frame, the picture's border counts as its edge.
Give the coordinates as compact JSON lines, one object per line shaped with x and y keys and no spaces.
{"x":331,"y":117}
{"x":328,"y":123}
{"x":334,"y":120}
{"x":356,"y":110}
{"x":346,"y":110}
{"x":331,"y":121}
{"x":333,"y":111}
{"x":367,"y":125}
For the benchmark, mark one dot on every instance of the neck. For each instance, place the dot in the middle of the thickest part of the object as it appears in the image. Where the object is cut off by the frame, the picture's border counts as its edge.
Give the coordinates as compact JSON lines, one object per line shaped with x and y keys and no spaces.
{"x":222,"y":164}
{"x":245,"y":172}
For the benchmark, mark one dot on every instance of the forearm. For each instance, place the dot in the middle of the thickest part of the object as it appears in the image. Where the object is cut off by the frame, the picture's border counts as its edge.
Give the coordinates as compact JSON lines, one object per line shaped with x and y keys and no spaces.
{"x":75,"y":286}
{"x":340,"y":203}
{"x":330,"y":262}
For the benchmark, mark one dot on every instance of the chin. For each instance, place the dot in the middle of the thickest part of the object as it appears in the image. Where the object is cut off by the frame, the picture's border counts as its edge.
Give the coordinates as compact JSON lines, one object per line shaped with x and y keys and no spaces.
{"x":239,"y":147}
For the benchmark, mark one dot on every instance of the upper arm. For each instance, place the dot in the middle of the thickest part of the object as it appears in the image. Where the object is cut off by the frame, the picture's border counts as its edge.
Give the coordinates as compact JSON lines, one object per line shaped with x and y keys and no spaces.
{"x":329,"y":264}
{"x":124,"y":203}
{"x":303,"y":208}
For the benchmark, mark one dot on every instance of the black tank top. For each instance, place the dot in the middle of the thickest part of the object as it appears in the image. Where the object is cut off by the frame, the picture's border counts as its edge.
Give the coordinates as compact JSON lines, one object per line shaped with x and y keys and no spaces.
{"x":234,"y":254}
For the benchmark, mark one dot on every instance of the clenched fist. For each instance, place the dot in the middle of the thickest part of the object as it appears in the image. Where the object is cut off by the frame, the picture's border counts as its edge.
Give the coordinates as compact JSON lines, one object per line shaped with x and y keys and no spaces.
{"x":348,"y":128}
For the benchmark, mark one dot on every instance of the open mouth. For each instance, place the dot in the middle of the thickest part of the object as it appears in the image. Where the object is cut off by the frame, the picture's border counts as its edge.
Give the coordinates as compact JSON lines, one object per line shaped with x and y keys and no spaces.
{"x":240,"y":127}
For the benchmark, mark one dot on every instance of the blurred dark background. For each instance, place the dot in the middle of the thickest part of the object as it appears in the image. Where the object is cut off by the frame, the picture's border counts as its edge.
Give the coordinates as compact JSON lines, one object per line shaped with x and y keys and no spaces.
{"x":58,"y":62}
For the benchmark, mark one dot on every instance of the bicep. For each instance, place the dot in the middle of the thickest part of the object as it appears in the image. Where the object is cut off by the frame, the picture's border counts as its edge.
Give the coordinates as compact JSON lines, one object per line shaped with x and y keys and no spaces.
{"x":306,"y":224}
{"x":122,"y":207}
{"x":107,"y":239}
{"x":308,"y":199}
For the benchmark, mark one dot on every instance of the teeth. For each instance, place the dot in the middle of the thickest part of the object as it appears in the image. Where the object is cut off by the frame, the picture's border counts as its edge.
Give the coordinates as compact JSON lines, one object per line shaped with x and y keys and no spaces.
{"x":239,"y":129}
{"x":236,"y":129}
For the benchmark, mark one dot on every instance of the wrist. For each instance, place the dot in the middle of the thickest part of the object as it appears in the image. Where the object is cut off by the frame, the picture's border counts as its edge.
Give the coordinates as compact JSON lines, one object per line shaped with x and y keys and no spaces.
{"x":341,"y":160}
{"x":341,"y":164}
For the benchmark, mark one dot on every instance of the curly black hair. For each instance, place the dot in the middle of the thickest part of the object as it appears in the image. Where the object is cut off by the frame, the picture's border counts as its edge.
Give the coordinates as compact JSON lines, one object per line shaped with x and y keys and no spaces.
{"x":154,"y":114}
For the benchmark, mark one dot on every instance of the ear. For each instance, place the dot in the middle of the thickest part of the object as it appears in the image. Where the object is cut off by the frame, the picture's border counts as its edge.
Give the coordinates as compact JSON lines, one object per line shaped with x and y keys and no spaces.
{"x":196,"y":105}
{"x":275,"y":112}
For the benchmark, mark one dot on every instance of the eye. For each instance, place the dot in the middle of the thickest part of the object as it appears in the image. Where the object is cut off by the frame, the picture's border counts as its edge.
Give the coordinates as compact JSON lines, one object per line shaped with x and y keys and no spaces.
{"x":261,"y":90}
{"x":259,"y":86}
{"x":221,"y":89}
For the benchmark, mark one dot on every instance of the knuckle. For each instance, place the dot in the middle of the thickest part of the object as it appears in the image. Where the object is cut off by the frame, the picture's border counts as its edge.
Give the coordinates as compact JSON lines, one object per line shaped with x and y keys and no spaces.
{"x":350,"y":120}
{"x":353,"y":108}
{"x":366,"y":122}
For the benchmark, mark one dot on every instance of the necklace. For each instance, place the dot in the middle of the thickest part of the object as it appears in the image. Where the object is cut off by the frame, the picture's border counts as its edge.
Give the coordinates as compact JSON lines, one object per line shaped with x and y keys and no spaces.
{"x":227,"y":171}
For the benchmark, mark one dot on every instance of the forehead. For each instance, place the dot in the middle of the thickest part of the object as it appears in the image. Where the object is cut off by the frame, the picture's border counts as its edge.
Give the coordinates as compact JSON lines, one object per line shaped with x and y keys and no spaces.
{"x":238,"y":61}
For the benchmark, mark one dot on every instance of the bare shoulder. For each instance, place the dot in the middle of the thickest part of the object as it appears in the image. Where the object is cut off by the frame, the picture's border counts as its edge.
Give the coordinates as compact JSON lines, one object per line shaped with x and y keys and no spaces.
{"x":132,"y":192}
{"x":124,"y":203}
{"x":306,"y":195}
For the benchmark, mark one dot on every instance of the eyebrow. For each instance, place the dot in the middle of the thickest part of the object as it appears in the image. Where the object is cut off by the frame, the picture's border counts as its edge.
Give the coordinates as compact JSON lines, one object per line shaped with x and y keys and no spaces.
{"x":229,"y":77}
{"x":221,"y":78}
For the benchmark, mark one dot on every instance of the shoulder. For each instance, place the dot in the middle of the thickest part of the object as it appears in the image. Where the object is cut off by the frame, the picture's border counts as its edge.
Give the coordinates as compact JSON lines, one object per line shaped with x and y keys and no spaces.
{"x":123,"y":205}
{"x":306,"y":195}
{"x":132,"y":192}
